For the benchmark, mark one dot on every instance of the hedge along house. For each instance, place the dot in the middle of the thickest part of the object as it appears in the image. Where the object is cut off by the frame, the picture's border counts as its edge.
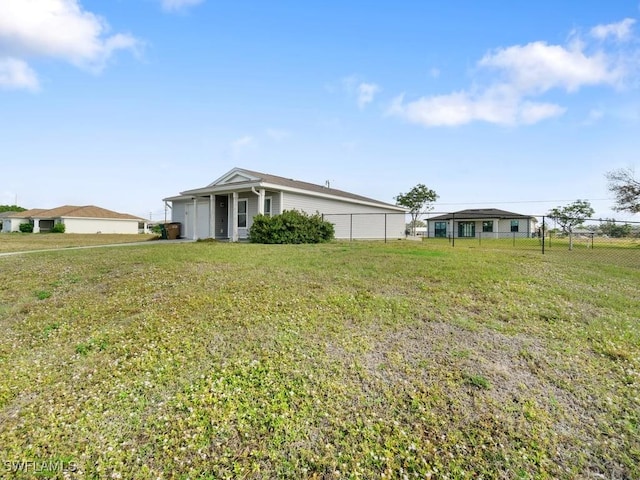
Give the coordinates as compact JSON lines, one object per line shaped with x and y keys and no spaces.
{"x":76,"y":219}
{"x":225,"y":208}
{"x":483,"y":223}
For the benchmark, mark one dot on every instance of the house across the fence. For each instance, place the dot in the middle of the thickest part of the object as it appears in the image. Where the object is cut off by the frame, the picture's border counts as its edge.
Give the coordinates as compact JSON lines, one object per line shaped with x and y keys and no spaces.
{"x":482,"y":222}
{"x":225,"y":208}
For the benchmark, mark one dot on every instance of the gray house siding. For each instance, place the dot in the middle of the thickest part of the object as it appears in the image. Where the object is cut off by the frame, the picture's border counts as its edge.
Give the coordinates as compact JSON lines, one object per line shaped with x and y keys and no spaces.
{"x":350,"y":220}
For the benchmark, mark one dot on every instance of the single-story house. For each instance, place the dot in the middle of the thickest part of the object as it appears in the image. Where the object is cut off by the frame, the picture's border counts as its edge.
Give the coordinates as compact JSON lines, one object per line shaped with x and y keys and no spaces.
{"x":482,"y":222}
{"x":224,"y":209}
{"x":76,"y":219}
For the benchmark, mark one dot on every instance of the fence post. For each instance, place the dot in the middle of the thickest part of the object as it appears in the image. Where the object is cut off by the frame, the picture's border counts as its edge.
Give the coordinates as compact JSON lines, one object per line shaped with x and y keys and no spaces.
{"x":544,"y":231}
{"x":385,"y":228}
{"x":453,"y":229}
{"x":514,"y":239}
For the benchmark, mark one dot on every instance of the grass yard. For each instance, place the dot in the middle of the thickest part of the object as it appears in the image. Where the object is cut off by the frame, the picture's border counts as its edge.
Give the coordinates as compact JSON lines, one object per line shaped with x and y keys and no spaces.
{"x":20,"y":242}
{"x":361,"y":360}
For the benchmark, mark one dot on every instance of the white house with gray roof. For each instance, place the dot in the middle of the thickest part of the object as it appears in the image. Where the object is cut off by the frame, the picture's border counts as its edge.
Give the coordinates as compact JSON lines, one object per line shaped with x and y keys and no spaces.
{"x":225,"y":208}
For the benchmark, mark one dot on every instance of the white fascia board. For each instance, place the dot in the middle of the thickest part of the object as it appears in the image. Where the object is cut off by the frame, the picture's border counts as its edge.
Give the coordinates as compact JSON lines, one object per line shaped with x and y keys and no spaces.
{"x":102,"y":218}
{"x":178,"y":198}
{"x":219,"y":189}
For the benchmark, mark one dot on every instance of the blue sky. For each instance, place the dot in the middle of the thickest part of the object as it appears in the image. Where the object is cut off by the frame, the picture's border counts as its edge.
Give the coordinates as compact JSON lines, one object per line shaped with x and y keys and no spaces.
{"x":514,"y":105}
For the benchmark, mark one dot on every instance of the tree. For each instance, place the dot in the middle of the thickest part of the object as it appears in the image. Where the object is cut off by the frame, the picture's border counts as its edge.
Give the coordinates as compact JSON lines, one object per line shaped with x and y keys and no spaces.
{"x":614,"y":230}
{"x":417,"y":200}
{"x":571,"y":216}
{"x":626,"y":188}
{"x":11,"y":208}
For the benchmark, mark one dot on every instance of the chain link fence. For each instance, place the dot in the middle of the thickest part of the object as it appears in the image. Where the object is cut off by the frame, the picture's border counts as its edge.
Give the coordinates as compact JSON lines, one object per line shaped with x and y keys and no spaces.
{"x":609,"y":240}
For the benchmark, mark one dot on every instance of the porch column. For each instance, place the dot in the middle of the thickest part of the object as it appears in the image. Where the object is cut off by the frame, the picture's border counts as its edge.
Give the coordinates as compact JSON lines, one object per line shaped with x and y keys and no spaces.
{"x":36,"y":225}
{"x":234,"y":218}
{"x":212,"y":216}
{"x":281,"y":203}
{"x":195,"y":218}
{"x":261,"y":201}
{"x":496,"y":229}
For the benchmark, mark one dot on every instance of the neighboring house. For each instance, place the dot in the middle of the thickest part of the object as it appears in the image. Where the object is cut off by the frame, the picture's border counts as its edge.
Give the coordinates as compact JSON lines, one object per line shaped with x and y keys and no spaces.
{"x":482,"y":222}
{"x":4,"y":216}
{"x":225,"y":208}
{"x":83,"y":219}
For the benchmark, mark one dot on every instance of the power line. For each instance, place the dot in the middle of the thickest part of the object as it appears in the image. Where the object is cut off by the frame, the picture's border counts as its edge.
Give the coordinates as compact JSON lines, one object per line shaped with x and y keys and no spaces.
{"x":523,"y":201}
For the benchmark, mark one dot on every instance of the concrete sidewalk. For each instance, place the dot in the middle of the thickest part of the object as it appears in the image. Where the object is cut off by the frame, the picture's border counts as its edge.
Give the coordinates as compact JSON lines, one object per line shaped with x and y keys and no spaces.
{"x":130,"y":244}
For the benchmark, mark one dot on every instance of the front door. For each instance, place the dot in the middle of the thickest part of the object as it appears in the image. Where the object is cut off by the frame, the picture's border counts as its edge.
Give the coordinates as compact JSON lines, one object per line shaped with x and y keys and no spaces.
{"x":467,"y":229}
{"x":222,"y":216}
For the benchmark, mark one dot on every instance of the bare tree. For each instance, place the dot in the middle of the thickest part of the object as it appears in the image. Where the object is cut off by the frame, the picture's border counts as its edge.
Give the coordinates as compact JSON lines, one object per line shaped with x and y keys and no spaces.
{"x":623,"y":184}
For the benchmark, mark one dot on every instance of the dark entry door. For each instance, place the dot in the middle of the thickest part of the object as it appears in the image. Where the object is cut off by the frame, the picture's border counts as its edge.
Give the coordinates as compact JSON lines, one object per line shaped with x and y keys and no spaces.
{"x":222,"y":216}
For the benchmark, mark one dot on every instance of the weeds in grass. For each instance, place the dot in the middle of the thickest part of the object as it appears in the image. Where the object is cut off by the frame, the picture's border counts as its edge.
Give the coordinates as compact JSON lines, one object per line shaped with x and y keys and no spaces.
{"x":42,"y":294}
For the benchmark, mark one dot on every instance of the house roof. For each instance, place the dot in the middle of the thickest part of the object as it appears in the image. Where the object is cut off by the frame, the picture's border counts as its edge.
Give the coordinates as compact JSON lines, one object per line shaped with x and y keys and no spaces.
{"x":73,"y":211}
{"x":26,"y":213}
{"x":6,"y":214}
{"x":479,"y":214}
{"x":240,"y":177}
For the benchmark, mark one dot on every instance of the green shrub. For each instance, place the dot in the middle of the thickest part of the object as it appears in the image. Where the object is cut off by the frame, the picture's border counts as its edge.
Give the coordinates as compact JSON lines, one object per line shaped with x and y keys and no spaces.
{"x":26,"y":227}
{"x":291,"y":226}
{"x":58,"y":228}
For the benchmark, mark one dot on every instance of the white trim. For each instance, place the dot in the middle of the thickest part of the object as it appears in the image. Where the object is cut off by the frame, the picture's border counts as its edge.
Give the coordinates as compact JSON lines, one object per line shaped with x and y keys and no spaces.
{"x":246,"y":212}
{"x":212,"y":215}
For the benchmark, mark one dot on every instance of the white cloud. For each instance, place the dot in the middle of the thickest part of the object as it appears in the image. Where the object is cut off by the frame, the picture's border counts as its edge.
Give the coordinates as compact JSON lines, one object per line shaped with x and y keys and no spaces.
{"x":363,"y":91}
{"x":459,"y":108}
{"x":524,"y":72}
{"x":538,"y":67}
{"x":240,"y":144}
{"x":277,"y":134}
{"x":176,"y":5}
{"x":366,"y":92}
{"x":59,"y":29}
{"x":620,"y":31}
{"x":16,"y":74}
{"x":594,"y":116}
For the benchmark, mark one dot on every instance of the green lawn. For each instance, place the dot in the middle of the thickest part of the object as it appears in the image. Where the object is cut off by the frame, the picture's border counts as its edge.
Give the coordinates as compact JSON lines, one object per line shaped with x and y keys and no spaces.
{"x":19,"y":242}
{"x":362,"y":360}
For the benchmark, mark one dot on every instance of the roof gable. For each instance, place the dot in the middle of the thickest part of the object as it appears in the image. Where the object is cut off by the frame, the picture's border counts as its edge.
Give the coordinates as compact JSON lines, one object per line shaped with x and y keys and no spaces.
{"x":237,"y":175}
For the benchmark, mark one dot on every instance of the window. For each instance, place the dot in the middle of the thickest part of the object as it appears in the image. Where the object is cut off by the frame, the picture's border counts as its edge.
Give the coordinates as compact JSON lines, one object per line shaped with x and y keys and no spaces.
{"x":242,"y":213}
{"x":267,"y":206}
{"x":440,"y":229}
{"x":514,"y":225}
{"x":487,"y":226}
{"x":466,"y":229}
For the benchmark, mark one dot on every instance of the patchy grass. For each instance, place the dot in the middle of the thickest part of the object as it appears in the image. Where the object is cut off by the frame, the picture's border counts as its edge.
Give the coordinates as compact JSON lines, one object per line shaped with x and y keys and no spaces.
{"x":20,"y":242}
{"x":363,"y":360}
